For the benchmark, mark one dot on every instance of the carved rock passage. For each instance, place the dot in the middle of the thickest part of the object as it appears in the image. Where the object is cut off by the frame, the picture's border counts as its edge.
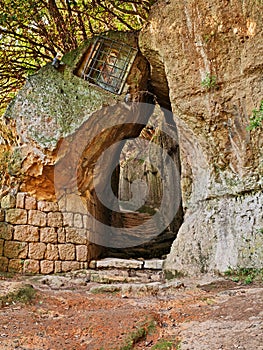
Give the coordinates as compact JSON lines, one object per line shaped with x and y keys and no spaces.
{"x":212,"y":57}
{"x":58,"y":208}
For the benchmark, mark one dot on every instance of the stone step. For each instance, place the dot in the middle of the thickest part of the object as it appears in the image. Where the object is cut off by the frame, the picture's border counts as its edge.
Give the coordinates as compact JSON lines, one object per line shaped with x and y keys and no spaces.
{"x":138,"y":288}
{"x":124,"y":276}
{"x":86,"y":278}
{"x":116,"y":263}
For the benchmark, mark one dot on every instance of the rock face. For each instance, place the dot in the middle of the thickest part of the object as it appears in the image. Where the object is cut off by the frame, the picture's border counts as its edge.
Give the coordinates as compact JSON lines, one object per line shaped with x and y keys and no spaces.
{"x":210,"y":53}
{"x":63,"y":138}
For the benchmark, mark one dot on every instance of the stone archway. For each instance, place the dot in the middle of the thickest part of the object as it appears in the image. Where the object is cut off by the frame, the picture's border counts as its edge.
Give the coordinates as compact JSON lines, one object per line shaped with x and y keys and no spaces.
{"x":60,"y":127}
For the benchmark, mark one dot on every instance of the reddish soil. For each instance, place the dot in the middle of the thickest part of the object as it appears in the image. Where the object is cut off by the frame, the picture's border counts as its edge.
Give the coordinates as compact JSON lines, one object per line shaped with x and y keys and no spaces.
{"x":221,"y":315}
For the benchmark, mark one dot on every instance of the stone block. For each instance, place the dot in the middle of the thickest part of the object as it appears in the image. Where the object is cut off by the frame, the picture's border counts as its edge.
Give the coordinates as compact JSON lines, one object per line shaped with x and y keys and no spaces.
{"x":84,"y":265}
{"x":154,"y":264}
{"x":93,"y":264}
{"x":86,"y":222}
{"x":55,"y":219}
{"x":30,"y":203}
{"x":74,"y":204}
{"x":61,"y":235}
{"x":66,"y":251}
{"x":52,"y":252}
{"x":37,"y":251}
{"x":20,"y":200}
{"x":78,"y":222}
{"x":3,"y":264}
{"x":37,"y":218}
{"x":1,"y":247}
{"x":70,"y":266}
{"x":31,"y":266}
{"x":76,"y":235}
{"x":48,"y":235}
{"x":2,"y":215}
{"x":26,"y":233}
{"x":62,"y":203}
{"x":58,"y":267}
{"x":119,"y":263}
{"x":6,"y":231}
{"x":47,"y":206}
{"x":15,"y":250}
{"x":81,"y":252}
{"x":8,"y":202}
{"x":68,"y":219}
{"x":16,"y":265}
{"x":46,"y":267}
{"x":16,"y":216}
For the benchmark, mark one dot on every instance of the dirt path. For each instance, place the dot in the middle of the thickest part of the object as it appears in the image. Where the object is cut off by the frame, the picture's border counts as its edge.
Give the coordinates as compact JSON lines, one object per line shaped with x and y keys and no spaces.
{"x":77,"y":314}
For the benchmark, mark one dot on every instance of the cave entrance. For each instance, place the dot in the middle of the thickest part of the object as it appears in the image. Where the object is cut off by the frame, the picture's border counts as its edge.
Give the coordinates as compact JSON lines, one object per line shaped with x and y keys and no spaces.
{"x":133,"y":203}
{"x":140,"y":182}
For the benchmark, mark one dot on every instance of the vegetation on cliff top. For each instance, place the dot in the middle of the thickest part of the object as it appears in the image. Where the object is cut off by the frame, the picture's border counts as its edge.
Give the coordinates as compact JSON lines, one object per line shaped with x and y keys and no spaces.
{"x":32,"y":32}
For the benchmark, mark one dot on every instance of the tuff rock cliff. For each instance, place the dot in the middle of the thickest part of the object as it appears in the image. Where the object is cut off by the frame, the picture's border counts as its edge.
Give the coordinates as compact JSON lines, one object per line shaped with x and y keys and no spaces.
{"x":202,"y":63}
{"x":62,"y":139}
{"x":206,"y":60}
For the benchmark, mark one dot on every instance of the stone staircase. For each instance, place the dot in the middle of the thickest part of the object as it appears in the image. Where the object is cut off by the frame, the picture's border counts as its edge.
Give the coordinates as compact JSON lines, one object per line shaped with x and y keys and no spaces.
{"x":129,"y":277}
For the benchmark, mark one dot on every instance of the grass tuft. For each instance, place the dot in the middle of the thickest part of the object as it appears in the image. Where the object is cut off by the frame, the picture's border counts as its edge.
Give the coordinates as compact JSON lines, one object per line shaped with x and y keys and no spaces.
{"x":23,"y":295}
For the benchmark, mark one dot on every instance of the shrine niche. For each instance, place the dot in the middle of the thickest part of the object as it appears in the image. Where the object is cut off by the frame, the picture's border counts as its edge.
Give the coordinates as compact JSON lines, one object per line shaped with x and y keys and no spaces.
{"x":107,"y":63}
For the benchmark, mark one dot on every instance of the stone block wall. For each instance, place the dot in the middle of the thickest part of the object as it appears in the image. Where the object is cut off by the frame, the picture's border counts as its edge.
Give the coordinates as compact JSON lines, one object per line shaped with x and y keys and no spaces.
{"x":35,"y":237}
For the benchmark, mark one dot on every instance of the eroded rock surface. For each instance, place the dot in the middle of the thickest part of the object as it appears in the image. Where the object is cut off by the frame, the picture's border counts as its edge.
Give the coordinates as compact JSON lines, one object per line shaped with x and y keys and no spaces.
{"x":63,"y":138}
{"x":211,"y":54}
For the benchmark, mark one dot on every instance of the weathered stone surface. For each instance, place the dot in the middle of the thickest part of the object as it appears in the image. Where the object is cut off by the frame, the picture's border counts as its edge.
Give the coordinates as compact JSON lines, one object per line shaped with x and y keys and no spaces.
{"x":78,"y":221}
{"x":37,"y":218}
{"x":6,"y":231}
{"x":84,"y":265}
{"x":76,"y":235}
{"x":70,"y":266}
{"x":81,"y":252}
{"x":66,"y":251}
{"x":232,"y":232}
{"x":15,"y":265}
{"x":46,"y":267}
{"x":52,"y":252}
{"x":42,"y":124}
{"x":48,"y":235}
{"x":119,"y":263}
{"x":68,"y":219}
{"x":1,"y":247}
{"x":3,"y":263}
{"x":154,"y":264}
{"x":2,"y":215}
{"x":74,"y":205}
{"x":8,"y":201}
{"x":37,"y":250}
{"x":93,"y":264}
{"x":55,"y":219}
{"x":20,"y":200}
{"x":26,"y":233}
{"x":31,"y":266}
{"x":30,"y":203}
{"x":15,"y":250}
{"x":221,"y":159}
{"x":86,"y":222}
{"x":58,"y":267}
{"x":16,"y":216}
{"x":61,"y":235}
{"x":206,"y":67}
{"x":47,"y":206}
